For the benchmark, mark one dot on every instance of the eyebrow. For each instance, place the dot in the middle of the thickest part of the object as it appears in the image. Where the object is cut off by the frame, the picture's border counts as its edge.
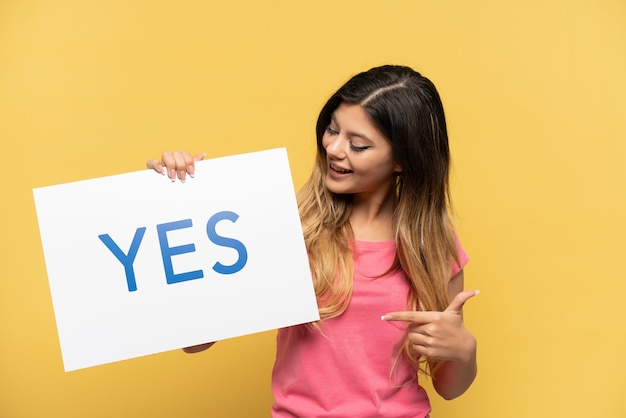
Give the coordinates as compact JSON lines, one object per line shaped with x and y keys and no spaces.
{"x":357,"y":134}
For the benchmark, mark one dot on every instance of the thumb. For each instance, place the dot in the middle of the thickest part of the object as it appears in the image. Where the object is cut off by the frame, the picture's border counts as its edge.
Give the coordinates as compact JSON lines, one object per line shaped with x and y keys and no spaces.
{"x":459,"y":300}
{"x":199,"y":157}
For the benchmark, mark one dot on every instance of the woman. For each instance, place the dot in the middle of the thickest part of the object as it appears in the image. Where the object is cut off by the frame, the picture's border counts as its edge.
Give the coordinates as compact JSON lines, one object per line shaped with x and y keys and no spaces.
{"x":376,"y":219}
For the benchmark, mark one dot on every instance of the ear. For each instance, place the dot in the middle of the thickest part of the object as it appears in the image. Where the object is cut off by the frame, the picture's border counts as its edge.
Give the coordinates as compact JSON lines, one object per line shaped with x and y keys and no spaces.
{"x":397,"y":169}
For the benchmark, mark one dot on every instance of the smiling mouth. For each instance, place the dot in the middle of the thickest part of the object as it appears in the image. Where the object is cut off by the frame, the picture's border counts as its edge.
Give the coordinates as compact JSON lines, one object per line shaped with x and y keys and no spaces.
{"x":339,"y":170}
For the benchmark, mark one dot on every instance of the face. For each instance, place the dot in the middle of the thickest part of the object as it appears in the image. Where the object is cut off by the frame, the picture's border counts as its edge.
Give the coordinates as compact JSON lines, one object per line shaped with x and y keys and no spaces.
{"x":359,"y":156}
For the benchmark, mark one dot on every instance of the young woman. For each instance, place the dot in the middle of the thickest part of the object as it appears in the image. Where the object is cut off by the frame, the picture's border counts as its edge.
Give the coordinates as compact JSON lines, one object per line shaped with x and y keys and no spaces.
{"x":386,"y":263}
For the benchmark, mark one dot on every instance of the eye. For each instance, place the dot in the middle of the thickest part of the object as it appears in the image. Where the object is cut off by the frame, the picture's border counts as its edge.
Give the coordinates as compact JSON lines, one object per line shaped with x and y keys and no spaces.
{"x":331,"y":131}
{"x":358,"y":149}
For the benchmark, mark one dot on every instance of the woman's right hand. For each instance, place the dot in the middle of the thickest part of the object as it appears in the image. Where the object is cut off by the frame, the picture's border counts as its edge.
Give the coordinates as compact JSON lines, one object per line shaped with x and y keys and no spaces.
{"x":175,"y":164}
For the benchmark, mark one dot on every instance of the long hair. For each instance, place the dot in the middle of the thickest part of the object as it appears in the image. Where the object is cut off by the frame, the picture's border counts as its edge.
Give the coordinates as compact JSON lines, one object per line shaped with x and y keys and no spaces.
{"x":407,"y":109}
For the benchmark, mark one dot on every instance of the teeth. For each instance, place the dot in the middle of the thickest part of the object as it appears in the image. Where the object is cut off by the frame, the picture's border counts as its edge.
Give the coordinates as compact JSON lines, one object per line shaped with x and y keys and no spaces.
{"x":339,"y":170}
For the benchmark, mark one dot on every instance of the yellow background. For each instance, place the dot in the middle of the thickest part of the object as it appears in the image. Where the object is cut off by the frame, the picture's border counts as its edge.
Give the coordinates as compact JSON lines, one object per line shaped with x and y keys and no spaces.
{"x":535,"y":99}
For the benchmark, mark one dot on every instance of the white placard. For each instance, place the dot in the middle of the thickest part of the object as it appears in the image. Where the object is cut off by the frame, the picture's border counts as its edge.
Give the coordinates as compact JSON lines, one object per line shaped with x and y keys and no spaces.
{"x":139,"y":265}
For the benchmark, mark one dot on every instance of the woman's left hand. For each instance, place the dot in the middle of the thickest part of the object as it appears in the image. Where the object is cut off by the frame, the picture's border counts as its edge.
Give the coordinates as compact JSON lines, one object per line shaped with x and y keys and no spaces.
{"x":440,"y":335}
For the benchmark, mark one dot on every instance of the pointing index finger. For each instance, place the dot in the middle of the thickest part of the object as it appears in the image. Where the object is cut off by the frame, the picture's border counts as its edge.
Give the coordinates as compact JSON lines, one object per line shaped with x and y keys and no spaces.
{"x":456,"y":306}
{"x":407,"y":316}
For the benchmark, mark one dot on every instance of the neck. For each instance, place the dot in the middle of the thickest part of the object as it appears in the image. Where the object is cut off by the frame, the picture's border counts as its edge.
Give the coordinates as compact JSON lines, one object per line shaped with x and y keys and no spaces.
{"x":371,"y":219}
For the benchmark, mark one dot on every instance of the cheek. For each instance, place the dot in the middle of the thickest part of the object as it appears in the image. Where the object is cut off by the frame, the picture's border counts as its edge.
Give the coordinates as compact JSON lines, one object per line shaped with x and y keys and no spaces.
{"x":325,"y":140}
{"x":379,"y":172}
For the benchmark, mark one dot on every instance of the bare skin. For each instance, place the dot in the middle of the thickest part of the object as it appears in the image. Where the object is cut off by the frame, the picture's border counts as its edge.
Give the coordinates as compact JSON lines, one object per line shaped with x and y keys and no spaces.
{"x":177,"y":164}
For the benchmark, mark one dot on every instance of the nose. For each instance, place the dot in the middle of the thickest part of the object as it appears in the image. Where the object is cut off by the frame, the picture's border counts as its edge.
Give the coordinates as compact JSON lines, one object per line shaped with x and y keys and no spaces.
{"x":335,"y":147}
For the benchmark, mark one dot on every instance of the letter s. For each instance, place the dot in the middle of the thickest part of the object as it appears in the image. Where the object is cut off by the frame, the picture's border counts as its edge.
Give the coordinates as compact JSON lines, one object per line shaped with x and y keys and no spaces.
{"x":226,"y":242}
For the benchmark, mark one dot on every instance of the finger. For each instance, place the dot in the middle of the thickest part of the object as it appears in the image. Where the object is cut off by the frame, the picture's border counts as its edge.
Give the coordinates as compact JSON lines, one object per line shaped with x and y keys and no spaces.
{"x":421,"y":317}
{"x":459,"y":300}
{"x":414,"y":317}
{"x":156,"y":166}
{"x":167,"y":160}
{"x":191,"y":168}
{"x":183,"y":161}
{"x":419,"y":340}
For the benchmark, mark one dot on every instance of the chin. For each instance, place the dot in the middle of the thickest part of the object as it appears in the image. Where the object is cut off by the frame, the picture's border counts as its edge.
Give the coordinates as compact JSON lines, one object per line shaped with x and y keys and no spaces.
{"x":333,"y":188}
{"x":334,"y":191}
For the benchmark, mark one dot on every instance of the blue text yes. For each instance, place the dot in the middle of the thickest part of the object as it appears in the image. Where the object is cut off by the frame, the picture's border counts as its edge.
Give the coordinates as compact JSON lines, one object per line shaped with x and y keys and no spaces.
{"x":167,"y":252}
